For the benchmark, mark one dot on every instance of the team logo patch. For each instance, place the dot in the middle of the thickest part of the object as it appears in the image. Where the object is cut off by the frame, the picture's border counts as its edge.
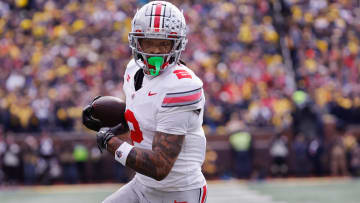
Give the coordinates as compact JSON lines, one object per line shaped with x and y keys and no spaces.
{"x":151,"y":93}
{"x":118,"y":154}
{"x":182,"y":98}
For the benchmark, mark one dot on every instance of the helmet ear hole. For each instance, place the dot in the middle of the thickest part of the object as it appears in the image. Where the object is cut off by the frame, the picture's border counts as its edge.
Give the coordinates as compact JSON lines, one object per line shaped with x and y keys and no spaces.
{"x":172,"y":59}
{"x":139,"y":56}
{"x":178,"y":46}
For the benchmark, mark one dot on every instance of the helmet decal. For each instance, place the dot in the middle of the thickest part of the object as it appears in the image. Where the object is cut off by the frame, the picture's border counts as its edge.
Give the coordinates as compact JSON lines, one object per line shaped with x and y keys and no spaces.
{"x":158,"y":15}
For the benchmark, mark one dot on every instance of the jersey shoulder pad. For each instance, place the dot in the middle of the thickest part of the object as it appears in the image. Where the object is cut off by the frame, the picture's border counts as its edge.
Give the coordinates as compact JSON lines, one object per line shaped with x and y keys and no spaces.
{"x":131,"y":68}
{"x":182,"y":77}
{"x":130,"y":71}
{"x":183,"y":92}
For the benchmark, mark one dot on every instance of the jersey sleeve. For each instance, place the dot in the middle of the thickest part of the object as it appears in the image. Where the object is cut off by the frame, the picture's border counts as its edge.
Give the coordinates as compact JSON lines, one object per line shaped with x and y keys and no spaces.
{"x":174,"y":124}
{"x":178,"y":106}
{"x":128,"y":75}
{"x":181,"y":99}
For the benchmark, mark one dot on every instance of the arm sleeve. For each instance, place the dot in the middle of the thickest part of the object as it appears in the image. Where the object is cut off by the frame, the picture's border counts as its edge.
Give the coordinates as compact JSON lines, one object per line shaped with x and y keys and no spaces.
{"x":179,"y":106}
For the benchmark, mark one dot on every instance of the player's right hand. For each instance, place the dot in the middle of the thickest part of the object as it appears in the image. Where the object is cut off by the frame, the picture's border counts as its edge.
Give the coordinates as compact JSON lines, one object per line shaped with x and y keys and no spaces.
{"x":106,"y":133}
{"x":103,"y":136}
{"x":88,"y":120}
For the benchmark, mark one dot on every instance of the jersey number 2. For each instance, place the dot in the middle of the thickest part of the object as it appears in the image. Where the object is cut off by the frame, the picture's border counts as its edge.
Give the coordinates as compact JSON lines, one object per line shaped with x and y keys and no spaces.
{"x":182,"y":74}
{"x":135,"y":132}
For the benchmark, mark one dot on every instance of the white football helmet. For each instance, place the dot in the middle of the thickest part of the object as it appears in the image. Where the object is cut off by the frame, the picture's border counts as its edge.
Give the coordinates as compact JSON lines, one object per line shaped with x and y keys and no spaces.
{"x":158,"y":20}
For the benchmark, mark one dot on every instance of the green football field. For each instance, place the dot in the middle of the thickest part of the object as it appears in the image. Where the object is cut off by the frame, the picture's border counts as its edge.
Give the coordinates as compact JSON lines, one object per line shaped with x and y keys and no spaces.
{"x":274,"y":191}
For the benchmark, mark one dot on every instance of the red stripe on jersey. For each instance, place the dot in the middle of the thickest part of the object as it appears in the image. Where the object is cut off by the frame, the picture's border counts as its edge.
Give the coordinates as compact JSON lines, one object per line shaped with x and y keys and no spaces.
{"x":204,"y":194}
{"x":157,"y":17}
{"x":182,"y":99}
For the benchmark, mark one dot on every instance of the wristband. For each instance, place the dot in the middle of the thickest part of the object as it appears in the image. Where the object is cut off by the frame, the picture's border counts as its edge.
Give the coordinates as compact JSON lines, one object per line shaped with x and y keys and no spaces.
{"x":122,"y":152}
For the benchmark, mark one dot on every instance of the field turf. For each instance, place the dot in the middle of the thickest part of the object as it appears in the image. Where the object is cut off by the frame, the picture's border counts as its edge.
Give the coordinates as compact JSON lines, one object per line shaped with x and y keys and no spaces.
{"x":319,"y":190}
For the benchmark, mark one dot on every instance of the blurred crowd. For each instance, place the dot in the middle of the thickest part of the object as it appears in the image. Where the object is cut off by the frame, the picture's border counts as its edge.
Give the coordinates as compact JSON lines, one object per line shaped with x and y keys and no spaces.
{"x":57,"y":55}
{"x":323,"y":38}
{"x":46,"y":160}
{"x":279,"y":64}
{"x":286,"y":156}
{"x":306,"y":156}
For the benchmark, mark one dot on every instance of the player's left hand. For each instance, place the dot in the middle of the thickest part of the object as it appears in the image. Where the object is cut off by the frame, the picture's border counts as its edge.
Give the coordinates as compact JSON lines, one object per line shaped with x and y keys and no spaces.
{"x":88,"y":120}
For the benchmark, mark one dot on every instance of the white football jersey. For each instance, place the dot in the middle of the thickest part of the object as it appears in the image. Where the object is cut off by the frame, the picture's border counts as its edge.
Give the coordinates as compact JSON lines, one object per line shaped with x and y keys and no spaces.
{"x":173,"y":103}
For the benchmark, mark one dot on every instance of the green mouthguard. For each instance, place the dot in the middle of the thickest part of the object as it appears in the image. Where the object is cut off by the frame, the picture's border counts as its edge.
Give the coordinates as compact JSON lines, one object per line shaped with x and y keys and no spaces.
{"x":157,"y":62}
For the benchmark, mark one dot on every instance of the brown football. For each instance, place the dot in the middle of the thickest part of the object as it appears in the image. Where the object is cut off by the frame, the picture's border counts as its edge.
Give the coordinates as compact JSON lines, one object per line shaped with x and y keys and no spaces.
{"x":109,"y":110}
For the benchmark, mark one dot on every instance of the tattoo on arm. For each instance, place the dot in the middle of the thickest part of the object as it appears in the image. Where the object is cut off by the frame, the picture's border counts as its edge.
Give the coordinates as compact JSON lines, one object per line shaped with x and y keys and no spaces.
{"x":158,"y":162}
{"x":155,"y":163}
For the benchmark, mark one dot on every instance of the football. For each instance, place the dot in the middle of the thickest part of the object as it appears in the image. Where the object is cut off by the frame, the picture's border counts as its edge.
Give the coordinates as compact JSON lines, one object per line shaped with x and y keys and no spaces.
{"x":109,"y":110}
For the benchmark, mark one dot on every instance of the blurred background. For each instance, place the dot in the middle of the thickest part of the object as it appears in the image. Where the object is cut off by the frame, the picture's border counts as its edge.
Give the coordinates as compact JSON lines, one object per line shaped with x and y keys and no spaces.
{"x":281,"y":79}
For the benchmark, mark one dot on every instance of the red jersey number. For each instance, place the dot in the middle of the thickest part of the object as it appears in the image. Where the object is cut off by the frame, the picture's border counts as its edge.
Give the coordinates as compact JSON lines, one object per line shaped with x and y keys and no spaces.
{"x":135,"y":132}
{"x":182,"y":74}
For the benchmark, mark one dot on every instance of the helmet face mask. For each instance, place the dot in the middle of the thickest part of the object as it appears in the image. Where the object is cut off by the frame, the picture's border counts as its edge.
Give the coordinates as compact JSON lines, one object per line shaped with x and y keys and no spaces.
{"x":156,"y":46}
{"x":158,"y":20}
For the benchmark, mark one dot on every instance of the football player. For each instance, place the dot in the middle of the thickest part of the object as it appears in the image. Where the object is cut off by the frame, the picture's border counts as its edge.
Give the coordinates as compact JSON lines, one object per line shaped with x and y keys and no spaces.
{"x":164,"y":113}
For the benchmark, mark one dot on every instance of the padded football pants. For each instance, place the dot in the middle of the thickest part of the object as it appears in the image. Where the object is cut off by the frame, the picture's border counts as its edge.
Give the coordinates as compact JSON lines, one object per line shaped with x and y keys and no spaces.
{"x":134,"y":192}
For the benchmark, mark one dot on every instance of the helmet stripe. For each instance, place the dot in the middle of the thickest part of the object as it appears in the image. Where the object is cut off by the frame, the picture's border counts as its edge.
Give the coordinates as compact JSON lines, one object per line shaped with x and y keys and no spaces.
{"x":151,"y":15}
{"x":157,"y":17}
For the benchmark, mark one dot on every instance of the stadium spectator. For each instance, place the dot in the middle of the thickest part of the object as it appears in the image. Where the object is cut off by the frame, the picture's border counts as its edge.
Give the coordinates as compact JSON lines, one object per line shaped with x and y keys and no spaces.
{"x":338,"y":164}
{"x":306,"y":120}
{"x":316,"y":155}
{"x":47,"y":150}
{"x":12,"y":161}
{"x":210,"y":167}
{"x":30,"y":158}
{"x":301,"y":160}
{"x":2,"y":151}
{"x":350,"y":144}
{"x":69,"y":170}
{"x":81,"y":156}
{"x":355,"y":160}
{"x":96,"y":164}
{"x":279,"y":151}
{"x":242,"y":154}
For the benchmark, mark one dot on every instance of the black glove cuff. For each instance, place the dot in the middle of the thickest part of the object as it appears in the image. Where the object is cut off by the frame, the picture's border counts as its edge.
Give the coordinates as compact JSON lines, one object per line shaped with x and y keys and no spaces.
{"x":107,"y":137}
{"x":120,"y":129}
{"x":103,"y":137}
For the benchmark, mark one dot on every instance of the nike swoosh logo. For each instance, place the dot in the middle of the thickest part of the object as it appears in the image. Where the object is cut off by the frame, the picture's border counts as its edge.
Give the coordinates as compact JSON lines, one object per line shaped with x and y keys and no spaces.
{"x":151,"y":94}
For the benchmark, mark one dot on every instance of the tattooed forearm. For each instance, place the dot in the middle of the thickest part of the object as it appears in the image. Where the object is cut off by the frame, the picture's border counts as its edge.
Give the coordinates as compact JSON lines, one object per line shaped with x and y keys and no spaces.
{"x":145,"y":162}
{"x":158,"y":162}
{"x":155,"y":163}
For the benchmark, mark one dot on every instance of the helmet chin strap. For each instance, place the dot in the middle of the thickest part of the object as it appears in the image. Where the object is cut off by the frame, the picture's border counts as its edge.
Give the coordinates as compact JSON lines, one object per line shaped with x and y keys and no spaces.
{"x":156,"y":61}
